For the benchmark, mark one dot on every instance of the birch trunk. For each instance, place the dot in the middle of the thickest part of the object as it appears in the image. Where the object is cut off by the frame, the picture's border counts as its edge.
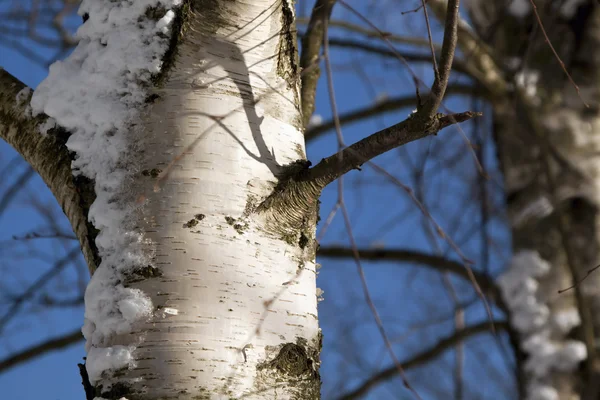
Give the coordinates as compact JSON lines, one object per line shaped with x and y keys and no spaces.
{"x":235,"y":295}
{"x":548,"y":144}
{"x":204,"y":273}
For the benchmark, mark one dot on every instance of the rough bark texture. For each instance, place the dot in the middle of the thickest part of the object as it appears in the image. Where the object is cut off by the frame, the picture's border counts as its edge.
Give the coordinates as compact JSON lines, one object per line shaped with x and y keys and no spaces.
{"x":235,"y":298}
{"x":548,"y":145}
{"x":48,"y":155}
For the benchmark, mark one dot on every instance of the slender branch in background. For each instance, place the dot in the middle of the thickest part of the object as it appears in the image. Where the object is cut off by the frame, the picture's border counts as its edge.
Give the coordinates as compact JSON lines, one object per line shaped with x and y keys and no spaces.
{"x":41,"y":349}
{"x":562,"y":64}
{"x":53,"y":235}
{"x":360,"y":270}
{"x":434,"y":262}
{"x":457,"y":65}
{"x":311,"y":47}
{"x":580,"y":280}
{"x":374,"y":34}
{"x":14,"y":189}
{"x":382,"y":107}
{"x":428,"y":355}
{"x":37,"y":285}
{"x":430,"y":39}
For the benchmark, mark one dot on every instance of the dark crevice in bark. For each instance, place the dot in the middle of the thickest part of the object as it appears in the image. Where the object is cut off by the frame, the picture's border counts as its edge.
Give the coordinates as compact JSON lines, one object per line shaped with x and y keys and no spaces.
{"x":180,"y":24}
{"x":90,"y":392}
{"x":292,"y":208}
{"x":87,"y":195}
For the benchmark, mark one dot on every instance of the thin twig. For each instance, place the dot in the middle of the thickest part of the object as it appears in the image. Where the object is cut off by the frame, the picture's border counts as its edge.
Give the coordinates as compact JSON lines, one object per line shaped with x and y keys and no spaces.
{"x":340,"y":201}
{"x":433,"y":60}
{"x":588,"y":273}
{"x":562,"y":64}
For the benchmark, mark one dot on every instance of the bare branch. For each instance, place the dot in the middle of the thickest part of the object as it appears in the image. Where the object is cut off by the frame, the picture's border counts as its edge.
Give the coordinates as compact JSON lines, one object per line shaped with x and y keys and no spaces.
{"x":382,"y":107}
{"x":33,"y":289}
{"x":437,"y":263}
{"x":478,"y":56}
{"x":457,"y":66}
{"x":40,"y":349}
{"x":415,"y":41}
{"x":409,"y":130}
{"x":424,"y":357}
{"x":448,"y":47}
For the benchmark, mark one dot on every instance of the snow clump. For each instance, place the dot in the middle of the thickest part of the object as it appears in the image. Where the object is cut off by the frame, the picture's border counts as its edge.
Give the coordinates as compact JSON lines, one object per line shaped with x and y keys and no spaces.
{"x":97,"y":94}
{"x":541,"y":335}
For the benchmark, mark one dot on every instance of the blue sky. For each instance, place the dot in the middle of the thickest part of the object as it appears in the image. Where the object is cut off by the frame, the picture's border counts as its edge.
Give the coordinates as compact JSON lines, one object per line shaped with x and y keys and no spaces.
{"x":381,"y":214}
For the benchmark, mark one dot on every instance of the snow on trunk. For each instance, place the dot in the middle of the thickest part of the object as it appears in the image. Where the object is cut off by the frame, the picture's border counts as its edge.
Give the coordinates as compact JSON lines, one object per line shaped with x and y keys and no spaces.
{"x":201,"y":292}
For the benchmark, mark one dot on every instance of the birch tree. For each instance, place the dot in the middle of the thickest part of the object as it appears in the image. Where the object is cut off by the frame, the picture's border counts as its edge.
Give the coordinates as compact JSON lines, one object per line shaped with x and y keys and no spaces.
{"x":172,"y":137}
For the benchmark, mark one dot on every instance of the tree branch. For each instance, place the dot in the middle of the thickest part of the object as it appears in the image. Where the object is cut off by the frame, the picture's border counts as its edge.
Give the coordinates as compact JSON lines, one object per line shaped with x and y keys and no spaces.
{"x":448,"y":47}
{"x":352,"y":157}
{"x":437,"y":263}
{"x":41,"y":349}
{"x":311,"y":47}
{"x":478,"y":56}
{"x":48,"y":155}
{"x":424,"y":357}
{"x":423,"y":123}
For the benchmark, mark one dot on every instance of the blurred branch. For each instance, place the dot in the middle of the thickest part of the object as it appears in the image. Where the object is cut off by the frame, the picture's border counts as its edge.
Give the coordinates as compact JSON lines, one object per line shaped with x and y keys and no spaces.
{"x":457,"y":66}
{"x":14,"y":189}
{"x":416,"y":41}
{"x":33,"y":289}
{"x":436,"y":263}
{"x":416,"y":126}
{"x":423,"y":357}
{"x":40,"y":349}
{"x":382,"y":107}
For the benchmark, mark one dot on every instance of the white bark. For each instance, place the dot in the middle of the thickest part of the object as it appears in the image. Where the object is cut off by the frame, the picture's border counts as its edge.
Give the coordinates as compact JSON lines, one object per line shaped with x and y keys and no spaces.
{"x":231,"y":292}
{"x":204,"y":290}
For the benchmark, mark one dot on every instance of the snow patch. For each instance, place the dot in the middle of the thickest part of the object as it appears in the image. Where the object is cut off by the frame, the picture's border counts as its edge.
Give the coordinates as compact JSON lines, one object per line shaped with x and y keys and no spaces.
{"x":520,"y":8}
{"x":104,"y":359}
{"x":315,"y":120}
{"x":528,"y":80}
{"x":97,"y":93}
{"x":542,"y":392}
{"x":50,"y":123}
{"x":566,"y":320}
{"x":542,"y":336}
{"x":569,"y":8}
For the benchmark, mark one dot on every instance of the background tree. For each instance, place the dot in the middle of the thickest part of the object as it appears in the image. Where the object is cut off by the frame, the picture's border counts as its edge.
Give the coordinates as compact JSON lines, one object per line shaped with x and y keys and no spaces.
{"x":430,"y":207}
